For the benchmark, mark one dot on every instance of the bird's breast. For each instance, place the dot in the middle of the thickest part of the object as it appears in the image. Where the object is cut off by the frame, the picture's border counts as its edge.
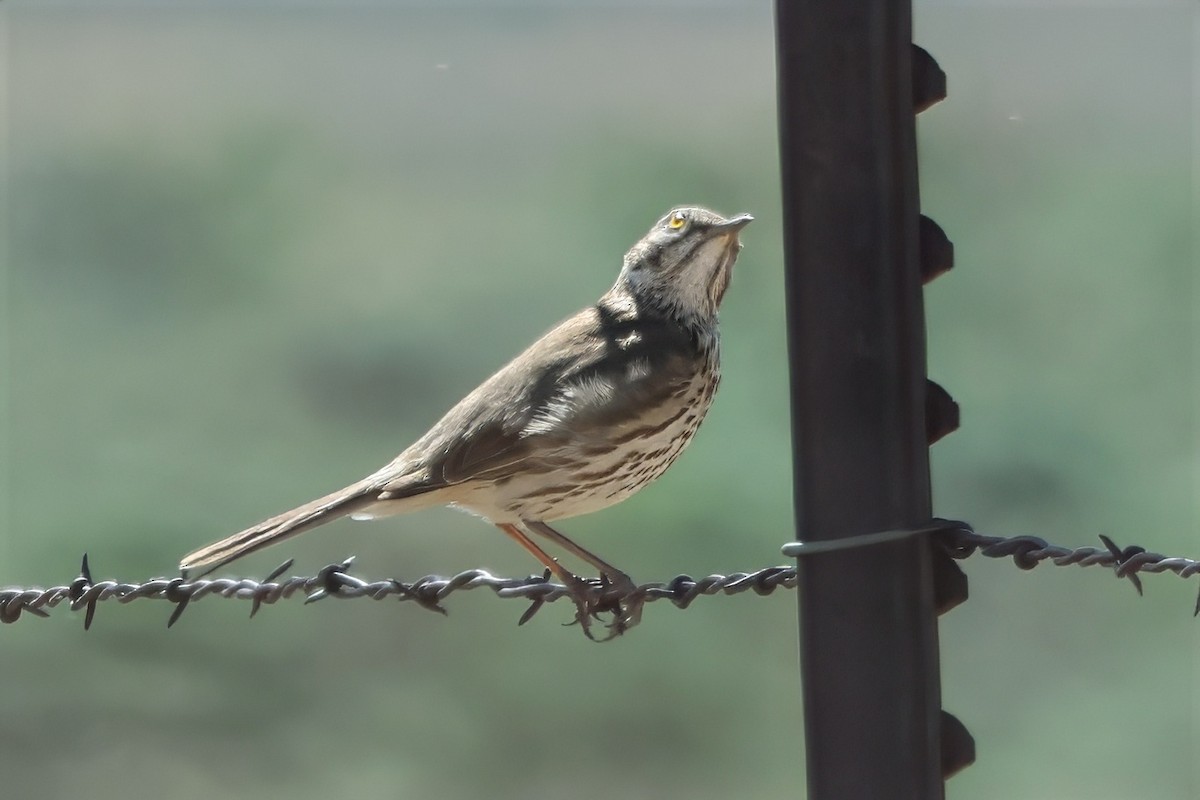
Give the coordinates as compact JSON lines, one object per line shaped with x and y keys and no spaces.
{"x":598,"y":472}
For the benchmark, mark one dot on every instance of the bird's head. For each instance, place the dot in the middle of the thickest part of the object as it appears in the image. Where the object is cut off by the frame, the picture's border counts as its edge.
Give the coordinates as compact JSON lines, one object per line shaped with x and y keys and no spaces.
{"x":683,"y":263}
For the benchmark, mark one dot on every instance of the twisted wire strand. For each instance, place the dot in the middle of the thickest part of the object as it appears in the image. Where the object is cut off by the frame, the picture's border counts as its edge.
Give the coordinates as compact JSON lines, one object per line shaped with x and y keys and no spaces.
{"x":334,"y":580}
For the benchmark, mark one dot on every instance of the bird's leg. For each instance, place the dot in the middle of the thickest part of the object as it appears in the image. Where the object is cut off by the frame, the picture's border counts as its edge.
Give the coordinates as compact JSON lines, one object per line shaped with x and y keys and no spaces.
{"x":580,"y":589}
{"x":615,"y":576}
{"x":630,"y":604}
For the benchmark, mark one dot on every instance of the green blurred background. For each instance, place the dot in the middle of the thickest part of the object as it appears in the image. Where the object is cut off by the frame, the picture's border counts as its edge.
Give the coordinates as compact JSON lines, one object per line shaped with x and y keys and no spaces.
{"x":253,"y":251}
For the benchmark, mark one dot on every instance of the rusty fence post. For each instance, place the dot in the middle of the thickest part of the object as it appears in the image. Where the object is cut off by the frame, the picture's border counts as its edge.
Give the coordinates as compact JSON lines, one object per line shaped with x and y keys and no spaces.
{"x":863,"y":412}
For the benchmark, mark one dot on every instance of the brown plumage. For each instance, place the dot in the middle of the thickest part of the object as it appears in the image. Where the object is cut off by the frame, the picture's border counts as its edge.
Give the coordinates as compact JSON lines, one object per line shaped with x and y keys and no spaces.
{"x":594,"y":410}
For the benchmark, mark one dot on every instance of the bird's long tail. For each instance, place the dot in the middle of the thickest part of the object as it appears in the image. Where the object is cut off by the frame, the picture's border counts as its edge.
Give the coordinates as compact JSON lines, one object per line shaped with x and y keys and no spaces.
{"x":283,"y":526}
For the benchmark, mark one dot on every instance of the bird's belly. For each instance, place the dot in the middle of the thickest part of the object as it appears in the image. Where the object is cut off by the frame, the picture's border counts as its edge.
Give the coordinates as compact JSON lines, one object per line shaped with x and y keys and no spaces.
{"x":601,"y":473}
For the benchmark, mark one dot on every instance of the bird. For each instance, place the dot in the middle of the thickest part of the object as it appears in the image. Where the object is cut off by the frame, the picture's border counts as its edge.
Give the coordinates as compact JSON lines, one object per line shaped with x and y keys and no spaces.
{"x":594,"y":410}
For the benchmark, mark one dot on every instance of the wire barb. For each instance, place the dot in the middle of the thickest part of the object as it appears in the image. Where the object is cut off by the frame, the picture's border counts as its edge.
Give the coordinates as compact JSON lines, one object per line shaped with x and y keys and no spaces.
{"x":335,"y":580}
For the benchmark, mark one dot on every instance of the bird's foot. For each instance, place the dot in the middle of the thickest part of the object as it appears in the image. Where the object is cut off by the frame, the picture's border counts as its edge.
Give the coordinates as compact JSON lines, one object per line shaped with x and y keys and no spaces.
{"x":617,"y":596}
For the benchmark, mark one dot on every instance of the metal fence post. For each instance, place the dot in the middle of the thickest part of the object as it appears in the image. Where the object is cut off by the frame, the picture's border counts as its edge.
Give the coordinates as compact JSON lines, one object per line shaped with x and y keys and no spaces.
{"x":852,"y":245}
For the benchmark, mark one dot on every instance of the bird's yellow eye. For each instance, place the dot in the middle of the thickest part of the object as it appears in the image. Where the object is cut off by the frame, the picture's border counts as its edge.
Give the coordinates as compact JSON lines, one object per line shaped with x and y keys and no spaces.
{"x":676,"y":221}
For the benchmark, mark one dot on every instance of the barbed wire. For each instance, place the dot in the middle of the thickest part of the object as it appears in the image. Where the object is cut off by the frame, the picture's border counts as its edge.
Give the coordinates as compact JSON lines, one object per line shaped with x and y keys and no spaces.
{"x":334,"y":580}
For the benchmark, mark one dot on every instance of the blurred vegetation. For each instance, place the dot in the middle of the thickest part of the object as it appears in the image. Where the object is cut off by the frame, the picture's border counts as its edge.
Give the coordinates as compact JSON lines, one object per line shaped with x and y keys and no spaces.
{"x":253,"y":254}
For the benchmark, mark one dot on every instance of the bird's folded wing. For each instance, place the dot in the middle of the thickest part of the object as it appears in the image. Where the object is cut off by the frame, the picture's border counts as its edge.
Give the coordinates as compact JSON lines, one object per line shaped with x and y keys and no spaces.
{"x":576,"y":388}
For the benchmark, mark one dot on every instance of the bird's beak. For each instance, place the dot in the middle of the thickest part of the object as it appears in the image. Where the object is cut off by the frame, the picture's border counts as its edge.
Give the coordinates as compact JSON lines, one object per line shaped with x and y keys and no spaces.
{"x":731,"y":225}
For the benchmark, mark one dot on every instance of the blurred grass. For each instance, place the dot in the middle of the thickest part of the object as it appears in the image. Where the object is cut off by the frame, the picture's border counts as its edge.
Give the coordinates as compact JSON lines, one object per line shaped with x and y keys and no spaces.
{"x":253,"y":254}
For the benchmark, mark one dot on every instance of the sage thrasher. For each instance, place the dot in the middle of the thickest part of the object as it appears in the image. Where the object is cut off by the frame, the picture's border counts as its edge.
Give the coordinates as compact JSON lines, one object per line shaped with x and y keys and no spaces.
{"x":593,"y":411}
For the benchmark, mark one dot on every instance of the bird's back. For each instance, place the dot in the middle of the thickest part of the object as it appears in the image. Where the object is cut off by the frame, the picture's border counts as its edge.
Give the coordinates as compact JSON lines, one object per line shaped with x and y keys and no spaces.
{"x":594,"y":410}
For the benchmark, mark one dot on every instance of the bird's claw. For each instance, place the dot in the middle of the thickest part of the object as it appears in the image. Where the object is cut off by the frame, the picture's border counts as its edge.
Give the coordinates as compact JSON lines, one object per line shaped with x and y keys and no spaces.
{"x":617,"y":596}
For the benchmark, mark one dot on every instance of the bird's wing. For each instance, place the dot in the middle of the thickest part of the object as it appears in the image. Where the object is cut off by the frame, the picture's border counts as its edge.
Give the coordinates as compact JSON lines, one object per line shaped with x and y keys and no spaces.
{"x":575,"y":388}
